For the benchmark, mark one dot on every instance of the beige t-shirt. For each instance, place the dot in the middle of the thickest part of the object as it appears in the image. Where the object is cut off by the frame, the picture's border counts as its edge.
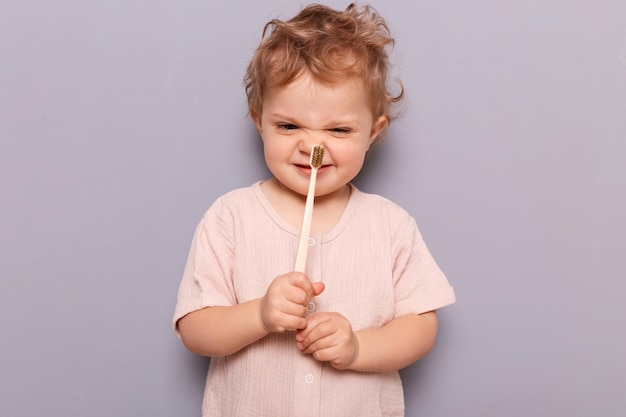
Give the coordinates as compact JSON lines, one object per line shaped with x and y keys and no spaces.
{"x":375,"y":266}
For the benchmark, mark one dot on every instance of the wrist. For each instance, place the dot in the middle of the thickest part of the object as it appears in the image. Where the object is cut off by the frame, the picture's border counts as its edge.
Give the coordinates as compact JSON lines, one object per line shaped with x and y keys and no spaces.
{"x":354,"y":363}
{"x":259,"y":316}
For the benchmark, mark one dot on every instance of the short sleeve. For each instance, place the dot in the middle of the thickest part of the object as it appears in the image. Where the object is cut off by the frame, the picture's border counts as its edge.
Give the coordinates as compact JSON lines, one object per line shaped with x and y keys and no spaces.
{"x":420,"y":285}
{"x":207,"y":277}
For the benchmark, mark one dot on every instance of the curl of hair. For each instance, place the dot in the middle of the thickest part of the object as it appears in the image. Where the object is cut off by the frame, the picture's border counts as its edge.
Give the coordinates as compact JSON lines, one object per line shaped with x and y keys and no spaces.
{"x":330,"y":45}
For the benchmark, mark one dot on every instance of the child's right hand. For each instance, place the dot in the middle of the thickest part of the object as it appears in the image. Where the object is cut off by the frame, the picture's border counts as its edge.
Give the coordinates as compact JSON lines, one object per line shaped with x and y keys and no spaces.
{"x":284,"y":305}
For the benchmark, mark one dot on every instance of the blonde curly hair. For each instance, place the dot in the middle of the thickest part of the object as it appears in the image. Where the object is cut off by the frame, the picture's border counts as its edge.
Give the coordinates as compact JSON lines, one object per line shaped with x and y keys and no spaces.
{"x":330,"y":45}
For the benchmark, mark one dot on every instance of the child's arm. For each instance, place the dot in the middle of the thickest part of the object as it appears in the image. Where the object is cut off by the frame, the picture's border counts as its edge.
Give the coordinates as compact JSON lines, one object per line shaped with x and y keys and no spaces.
{"x":220,"y":331}
{"x":399,"y":343}
{"x":223,"y":330}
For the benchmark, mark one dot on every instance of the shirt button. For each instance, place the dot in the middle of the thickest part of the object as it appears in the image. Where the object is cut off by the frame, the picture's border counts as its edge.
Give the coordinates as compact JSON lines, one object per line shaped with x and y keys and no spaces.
{"x":311,"y":241}
{"x":310,"y":307}
{"x":309,"y":378}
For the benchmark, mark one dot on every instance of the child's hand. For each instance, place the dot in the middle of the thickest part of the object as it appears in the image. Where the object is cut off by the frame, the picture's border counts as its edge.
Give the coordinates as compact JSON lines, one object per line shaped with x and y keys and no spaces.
{"x":283,"y":307}
{"x":329,"y":338}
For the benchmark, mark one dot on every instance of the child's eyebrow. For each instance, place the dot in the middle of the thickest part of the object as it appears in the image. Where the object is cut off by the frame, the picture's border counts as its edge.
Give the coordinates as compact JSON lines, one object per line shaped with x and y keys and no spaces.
{"x":333,"y":124}
{"x":348,"y":121}
{"x":282,"y":116}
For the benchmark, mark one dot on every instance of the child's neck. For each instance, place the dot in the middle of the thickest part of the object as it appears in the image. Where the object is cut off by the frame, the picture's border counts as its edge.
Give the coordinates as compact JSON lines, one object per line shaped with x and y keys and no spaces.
{"x":327,"y":211}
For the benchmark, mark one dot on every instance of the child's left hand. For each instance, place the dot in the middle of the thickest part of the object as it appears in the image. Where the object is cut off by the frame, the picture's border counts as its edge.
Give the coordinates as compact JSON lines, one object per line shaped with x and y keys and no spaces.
{"x":329,"y":338}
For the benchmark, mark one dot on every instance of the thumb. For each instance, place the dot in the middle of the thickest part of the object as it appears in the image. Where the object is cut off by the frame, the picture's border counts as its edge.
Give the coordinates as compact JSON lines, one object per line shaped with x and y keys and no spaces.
{"x":318,"y":287}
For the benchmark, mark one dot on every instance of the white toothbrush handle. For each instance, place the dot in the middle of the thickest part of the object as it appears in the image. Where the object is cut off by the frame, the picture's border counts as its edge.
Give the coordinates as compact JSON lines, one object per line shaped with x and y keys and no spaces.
{"x":303,"y":245}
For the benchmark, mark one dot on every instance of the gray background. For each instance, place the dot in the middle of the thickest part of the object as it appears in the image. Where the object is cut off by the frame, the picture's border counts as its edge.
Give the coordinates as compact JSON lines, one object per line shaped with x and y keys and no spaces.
{"x":121,"y":121}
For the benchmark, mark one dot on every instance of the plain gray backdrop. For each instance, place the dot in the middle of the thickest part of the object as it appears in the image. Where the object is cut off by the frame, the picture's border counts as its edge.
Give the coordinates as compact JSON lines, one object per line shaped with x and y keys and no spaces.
{"x":122,"y":121}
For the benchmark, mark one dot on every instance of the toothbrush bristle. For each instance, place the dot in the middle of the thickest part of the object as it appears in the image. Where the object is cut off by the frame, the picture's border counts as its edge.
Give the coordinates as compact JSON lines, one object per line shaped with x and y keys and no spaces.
{"x":317,"y":154}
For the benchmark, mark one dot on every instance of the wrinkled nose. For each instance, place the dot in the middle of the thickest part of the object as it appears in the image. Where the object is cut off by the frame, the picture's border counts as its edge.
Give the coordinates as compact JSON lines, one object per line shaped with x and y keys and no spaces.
{"x":308,"y":139}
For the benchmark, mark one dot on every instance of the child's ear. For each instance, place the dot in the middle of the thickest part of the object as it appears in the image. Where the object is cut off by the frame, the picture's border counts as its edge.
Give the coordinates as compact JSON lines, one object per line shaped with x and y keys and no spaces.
{"x":256,"y":118}
{"x":377,"y":127}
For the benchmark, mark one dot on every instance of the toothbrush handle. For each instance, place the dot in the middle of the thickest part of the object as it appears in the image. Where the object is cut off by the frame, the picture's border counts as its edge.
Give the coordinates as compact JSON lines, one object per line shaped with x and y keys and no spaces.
{"x":305,"y":232}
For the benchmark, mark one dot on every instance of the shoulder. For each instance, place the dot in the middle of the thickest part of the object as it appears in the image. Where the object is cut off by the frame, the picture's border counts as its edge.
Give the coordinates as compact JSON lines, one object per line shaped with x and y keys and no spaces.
{"x":378,"y":205}
{"x":233,"y":204}
{"x":240,"y":197}
{"x":383,"y":214}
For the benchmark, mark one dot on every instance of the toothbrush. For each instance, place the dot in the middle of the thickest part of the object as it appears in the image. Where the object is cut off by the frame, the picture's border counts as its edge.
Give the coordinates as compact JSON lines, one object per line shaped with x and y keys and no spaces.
{"x":317,"y":154}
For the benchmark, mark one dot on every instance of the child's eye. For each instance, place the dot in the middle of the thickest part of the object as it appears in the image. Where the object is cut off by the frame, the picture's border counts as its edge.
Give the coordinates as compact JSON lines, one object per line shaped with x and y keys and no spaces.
{"x":341,"y":130}
{"x":287,"y":126}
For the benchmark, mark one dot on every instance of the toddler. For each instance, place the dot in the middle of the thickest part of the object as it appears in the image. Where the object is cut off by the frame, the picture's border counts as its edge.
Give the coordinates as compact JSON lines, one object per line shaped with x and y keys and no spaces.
{"x":328,"y":342}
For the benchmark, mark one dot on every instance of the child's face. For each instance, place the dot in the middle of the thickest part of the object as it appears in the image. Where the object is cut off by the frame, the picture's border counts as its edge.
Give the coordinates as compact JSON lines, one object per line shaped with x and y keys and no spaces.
{"x":307,"y":112}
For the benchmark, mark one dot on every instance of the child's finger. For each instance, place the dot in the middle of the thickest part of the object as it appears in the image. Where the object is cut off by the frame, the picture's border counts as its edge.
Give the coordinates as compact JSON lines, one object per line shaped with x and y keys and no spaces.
{"x":301,"y":281}
{"x":313,"y":331}
{"x":318,"y":288}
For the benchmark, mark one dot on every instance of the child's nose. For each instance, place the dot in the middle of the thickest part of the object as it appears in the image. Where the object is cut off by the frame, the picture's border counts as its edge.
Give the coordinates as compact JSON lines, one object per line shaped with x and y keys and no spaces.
{"x":308,"y":139}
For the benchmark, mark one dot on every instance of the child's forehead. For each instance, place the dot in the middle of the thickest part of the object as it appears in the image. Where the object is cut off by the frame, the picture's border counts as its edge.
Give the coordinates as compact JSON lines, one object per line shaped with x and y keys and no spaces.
{"x":346,"y":97}
{"x":307,"y":81}
{"x":314,"y":102}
